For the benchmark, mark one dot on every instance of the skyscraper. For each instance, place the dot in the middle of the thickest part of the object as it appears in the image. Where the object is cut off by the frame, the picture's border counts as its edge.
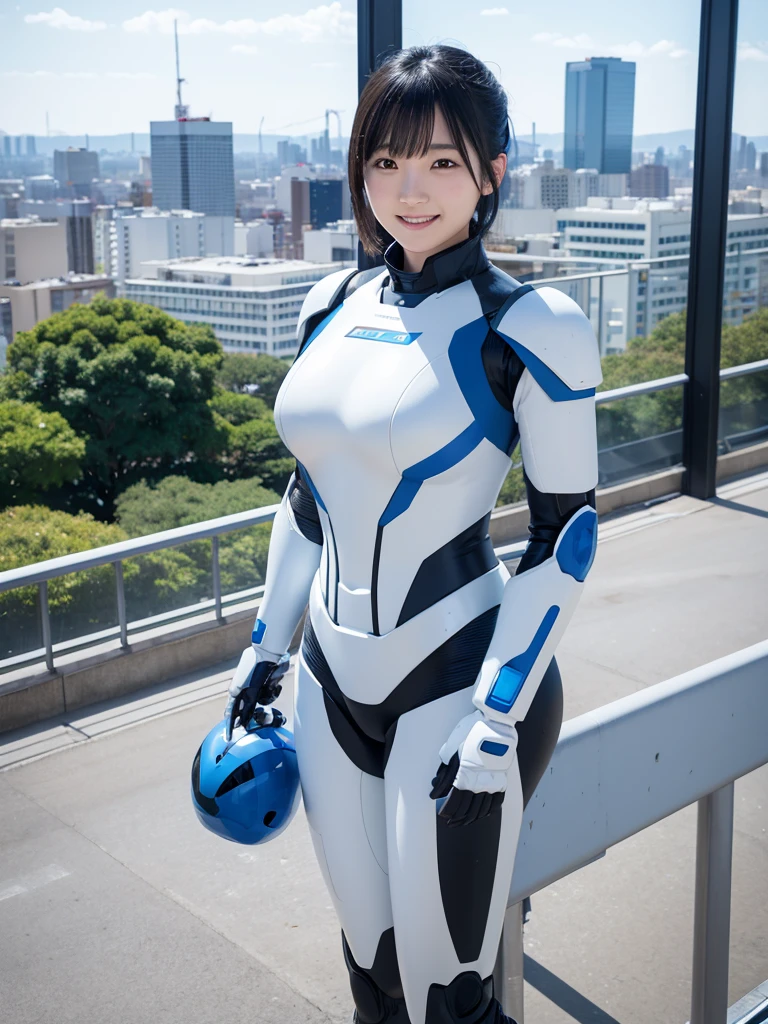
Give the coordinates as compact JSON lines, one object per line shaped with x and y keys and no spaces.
{"x":75,"y":169}
{"x":599,"y":111}
{"x":193,"y":166}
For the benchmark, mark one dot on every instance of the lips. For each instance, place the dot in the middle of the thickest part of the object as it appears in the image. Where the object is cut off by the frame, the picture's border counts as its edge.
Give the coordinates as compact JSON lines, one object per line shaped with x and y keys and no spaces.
{"x":418,"y":224}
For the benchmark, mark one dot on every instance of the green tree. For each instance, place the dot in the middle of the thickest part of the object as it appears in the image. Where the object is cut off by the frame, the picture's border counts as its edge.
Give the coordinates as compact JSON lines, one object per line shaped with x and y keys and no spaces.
{"x":132,"y":380}
{"x":238,"y":370}
{"x":79,"y":602}
{"x":177,"y":501}
{"x":38,"y":450}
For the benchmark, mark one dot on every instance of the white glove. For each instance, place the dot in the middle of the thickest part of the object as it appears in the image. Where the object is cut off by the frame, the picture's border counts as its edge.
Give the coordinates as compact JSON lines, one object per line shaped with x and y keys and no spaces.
{"x":476,"y":759}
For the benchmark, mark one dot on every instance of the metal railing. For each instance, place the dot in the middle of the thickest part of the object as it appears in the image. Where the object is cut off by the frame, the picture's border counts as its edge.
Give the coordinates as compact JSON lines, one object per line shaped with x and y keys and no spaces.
{"x":41,"y":572}
{"x":623,"y":767}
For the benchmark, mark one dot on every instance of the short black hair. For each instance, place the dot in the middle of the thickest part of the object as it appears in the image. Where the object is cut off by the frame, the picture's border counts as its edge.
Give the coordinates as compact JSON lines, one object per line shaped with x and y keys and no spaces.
{"x":397,"y":106}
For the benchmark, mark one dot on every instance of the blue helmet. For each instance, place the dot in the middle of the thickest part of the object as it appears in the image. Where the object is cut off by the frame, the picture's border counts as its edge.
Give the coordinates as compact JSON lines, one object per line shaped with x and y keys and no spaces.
{"x":247,"y":789}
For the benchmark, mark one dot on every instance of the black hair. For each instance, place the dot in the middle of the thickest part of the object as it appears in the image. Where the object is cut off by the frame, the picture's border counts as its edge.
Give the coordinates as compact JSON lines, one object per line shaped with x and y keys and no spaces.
{"x":397,"y":106}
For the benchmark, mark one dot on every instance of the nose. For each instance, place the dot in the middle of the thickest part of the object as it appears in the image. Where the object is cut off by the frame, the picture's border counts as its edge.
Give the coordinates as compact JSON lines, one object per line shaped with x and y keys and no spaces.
{"x":412,"y":191}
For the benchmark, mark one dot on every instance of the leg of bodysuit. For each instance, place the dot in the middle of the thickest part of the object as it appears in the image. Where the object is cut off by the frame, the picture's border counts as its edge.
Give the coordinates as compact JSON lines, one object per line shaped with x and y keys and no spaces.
{"x":449,"y":886}
{"x":346,"y":816}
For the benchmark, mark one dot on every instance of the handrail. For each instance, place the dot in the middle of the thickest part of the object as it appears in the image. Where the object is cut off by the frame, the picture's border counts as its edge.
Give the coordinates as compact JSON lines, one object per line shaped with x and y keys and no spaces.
{"x":41,"y":572}
{"x":682,"y":741}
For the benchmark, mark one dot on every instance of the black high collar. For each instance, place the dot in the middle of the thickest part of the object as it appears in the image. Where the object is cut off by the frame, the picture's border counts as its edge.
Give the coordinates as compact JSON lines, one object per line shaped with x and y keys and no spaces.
{"x":441,"y":270}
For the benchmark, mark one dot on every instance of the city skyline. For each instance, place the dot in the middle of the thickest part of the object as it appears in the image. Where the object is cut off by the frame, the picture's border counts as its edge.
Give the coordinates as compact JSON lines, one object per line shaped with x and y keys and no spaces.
{"x":101,"y":75}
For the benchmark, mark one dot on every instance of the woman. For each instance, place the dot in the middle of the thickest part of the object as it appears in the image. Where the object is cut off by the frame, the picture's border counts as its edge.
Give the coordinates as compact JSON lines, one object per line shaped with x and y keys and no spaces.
{"x":428,"y":701}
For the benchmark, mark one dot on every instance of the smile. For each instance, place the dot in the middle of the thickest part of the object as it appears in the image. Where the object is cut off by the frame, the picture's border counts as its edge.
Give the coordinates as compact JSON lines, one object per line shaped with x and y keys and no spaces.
{"x":417,"y":222}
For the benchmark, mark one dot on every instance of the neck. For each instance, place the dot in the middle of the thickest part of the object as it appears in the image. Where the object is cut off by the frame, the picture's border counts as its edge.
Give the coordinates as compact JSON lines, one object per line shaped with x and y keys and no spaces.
{"x":413,"y":262}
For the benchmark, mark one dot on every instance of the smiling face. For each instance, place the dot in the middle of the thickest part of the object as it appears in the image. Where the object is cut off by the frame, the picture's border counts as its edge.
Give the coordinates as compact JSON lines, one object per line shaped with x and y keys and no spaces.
{"x":426,"y":201}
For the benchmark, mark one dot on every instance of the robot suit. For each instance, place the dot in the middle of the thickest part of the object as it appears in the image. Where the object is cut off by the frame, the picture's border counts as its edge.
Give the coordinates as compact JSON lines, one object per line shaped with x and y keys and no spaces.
{"x":428,"y":701}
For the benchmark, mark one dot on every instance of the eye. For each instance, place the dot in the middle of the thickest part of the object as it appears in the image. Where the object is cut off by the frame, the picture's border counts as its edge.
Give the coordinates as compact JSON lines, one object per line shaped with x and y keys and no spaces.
{"x":446,"y":160}
{"x":376,"y":163}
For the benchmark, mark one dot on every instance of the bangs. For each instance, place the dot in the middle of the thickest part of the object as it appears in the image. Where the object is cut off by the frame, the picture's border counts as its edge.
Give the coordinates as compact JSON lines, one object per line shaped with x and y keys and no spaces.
{"x":403,"y":120}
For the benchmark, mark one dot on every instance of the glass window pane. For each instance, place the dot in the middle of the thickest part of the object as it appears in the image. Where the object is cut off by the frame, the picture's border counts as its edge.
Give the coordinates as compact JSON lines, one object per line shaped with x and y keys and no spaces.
{"x":743,"y":419}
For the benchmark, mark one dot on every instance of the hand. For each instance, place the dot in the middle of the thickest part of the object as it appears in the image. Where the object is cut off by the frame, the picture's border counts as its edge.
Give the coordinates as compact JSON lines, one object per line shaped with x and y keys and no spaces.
{"x":256,"y":681}
{"x":473,"y":774}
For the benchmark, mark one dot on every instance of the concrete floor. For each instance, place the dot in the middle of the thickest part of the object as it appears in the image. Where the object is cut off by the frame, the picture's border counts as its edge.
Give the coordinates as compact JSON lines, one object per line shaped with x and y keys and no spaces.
{"x":116,"y":905}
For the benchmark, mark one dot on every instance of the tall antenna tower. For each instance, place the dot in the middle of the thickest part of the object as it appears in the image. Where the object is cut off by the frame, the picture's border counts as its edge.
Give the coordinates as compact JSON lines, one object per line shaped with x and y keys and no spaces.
{"x":181,"y":112}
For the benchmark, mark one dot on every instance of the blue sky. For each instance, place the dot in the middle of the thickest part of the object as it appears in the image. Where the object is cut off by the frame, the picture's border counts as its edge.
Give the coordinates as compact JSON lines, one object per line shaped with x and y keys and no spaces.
{"x":108,"y":67}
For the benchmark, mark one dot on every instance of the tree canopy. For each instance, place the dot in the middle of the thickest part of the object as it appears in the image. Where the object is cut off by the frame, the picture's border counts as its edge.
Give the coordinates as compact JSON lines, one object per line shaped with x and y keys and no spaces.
{"x":38,"y":450}
{"x":132,"y":381}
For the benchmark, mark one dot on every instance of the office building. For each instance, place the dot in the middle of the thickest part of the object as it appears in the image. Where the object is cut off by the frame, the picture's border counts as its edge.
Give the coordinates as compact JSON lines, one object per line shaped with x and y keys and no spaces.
{"x":315,"y":203}
{"x":37,"y":300}
{"x":655,"y":237}
{"x":252,"y":304}
{"x":599,"y":112}
{"x":40,"y":186}
{"x":32,"y":249}
{"x":256,"y":238}
{"x":649,"y":181}
{"x":544,"y":186}
{"x":75,"y":171}
{"x":145,"y":234}
{"x":193,"y":166}
{"x":332,"y":243}
{"x":76,"y":214}
{"x":31,"y":147}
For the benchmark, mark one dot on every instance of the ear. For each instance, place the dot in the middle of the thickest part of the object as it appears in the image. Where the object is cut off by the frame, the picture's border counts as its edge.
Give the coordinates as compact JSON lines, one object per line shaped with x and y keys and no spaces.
{"x":499,"y":166}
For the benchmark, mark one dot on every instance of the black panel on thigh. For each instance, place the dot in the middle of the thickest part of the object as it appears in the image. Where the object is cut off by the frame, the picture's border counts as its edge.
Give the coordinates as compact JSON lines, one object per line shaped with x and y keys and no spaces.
{"x":466,"y":861}
{"x":538,"y":732}
{"x":365,"y":753}
{"x":464,"y":558}
{"x":452,"y":666}
{"x":377,"y":991}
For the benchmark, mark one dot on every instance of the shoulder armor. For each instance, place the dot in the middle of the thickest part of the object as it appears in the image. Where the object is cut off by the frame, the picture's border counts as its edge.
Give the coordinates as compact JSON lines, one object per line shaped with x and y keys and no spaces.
{"x":322,"y":297}
{"x":553,"y":338}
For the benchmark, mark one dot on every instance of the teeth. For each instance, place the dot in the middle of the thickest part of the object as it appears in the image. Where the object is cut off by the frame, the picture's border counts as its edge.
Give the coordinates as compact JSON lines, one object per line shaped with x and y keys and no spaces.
{"x":418,"y":220}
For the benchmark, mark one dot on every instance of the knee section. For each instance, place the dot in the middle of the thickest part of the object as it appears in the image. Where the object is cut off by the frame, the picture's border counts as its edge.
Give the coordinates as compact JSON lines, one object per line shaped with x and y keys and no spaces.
{"x":467,"y":1000}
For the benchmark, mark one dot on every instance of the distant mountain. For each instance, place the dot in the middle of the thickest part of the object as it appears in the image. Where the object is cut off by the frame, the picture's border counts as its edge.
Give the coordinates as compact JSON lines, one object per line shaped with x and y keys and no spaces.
{"x":138,"y":142}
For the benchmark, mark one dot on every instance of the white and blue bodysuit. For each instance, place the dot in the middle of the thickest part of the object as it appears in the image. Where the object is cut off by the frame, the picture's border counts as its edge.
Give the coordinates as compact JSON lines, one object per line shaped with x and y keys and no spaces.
{"x":408,"y":395}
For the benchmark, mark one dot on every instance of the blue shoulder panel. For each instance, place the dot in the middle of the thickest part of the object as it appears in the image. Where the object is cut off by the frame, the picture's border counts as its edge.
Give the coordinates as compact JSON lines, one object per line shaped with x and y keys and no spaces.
{"x":547,"y":379}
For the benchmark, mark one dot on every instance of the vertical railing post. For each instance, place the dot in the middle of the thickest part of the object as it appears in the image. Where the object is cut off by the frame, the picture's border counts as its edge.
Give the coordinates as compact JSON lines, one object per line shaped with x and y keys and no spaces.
{"x":508,"y":971}
{"x":709,"y":230}
{"x":122,"y":617}
{"x":216,"y":577}
{"x":45,"y":621}
{"x":712,"y":909}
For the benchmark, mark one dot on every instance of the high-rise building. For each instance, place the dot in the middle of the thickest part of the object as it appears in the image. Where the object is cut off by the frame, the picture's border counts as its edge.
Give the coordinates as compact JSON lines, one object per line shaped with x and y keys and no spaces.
{"x":750,"y":157}
{"x":325,"y":196}
{"x":764,"y":165}
{"x":193,"y":166}
{"x":649,"y":181}
{"x":31,"y":147}
{"x":290,"y":153}
{"x":7,"y":145}
{"x":31,"y":249}
{"x":75,"y":169}
{"x":76,"y":214}
{"x":599,"y":113}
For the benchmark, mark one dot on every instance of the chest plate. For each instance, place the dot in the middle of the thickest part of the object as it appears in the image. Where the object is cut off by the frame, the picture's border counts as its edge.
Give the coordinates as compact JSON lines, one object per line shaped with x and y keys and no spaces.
{"x":389,"y":411}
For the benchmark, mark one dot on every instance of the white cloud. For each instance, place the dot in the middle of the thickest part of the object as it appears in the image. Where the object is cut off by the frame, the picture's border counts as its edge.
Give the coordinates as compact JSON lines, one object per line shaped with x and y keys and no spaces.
{"x":315,"y":24}
{"x":752,"y":51}
{"x":491,"y":12}
{"x":244,"y":48}
{"x":58,"y":18}
{"x":630,"y":51}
